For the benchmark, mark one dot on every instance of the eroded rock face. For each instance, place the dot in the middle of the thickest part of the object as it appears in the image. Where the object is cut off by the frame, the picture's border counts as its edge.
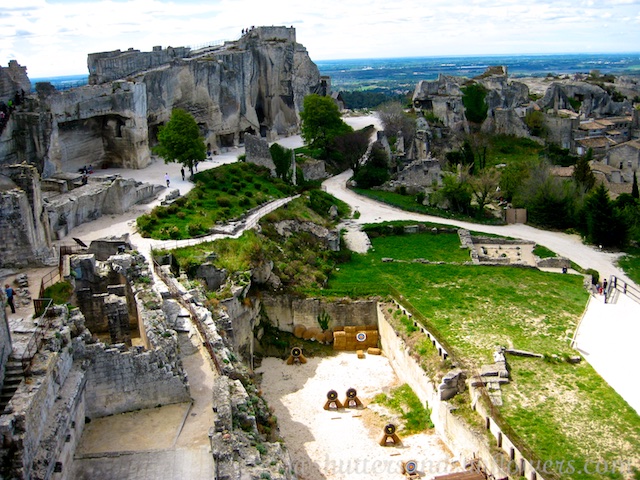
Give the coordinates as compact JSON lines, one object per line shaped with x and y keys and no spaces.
{"x":254,"y":85}
{"x":593,"y":100}
{"x":444,"y":96}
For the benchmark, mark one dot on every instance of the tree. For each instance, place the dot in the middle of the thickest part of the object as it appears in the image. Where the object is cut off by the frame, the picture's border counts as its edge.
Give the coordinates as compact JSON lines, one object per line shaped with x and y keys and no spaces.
{"x":321,"y":122}
{"x":376,"y":170}
{"x":605,"y":225}
{"x":180,"y":140}
{"x":456,"y":190}
{"x":473,"y":99}
{"x":485,"y":187}
{"x":281,"y":157}
{"x":350,"y":148}
{"x":550,"y":201}
{"x":535,"y":121}
{"x":582,"y":173}
{"x":396,"y":121}
{"x":634,"y":188}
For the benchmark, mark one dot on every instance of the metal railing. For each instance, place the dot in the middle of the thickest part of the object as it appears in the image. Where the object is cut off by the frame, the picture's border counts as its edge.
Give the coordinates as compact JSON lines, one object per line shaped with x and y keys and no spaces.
{"x":617,"y":284}
{"x":493,"y":412}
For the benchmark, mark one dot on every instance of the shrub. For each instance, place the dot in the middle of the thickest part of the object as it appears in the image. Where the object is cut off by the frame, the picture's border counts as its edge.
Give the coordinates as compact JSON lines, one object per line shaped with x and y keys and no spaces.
{"x":181,"y":215}
{"x":195,"y":229}
{"x":224,"y":201}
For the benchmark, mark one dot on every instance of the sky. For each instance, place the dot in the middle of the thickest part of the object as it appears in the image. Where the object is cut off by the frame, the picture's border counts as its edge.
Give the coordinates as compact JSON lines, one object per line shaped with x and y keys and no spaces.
{"x":54,"y":37}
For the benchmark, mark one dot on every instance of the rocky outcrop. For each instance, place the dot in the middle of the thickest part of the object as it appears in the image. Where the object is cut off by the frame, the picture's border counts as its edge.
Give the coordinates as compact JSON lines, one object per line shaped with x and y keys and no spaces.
{"x":101,"y":196}
{"x":24,"y":236}
{"x":592,"y":100}
{"x":254,"y":85}
{"x":13,"y":78}
{"x":443,"y":97}
{"x":257,"y":151}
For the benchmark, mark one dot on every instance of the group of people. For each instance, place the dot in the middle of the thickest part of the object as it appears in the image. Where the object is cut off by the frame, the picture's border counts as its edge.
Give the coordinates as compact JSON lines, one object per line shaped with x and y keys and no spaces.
{"x":6,"y":109}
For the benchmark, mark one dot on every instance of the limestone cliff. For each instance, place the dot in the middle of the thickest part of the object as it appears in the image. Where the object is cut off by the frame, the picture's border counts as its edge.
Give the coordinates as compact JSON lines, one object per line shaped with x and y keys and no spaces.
{"x":253,"y":85}
{"x":443,"y":96}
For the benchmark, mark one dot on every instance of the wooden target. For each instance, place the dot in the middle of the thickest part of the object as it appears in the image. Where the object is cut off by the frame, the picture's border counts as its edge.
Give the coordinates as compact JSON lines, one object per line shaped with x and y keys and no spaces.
{"x":411,"y":467}
{"x":332,"y":402}
{"x":352,"y":400}
{"x":390,"y":438}
{"x":296,"y":357}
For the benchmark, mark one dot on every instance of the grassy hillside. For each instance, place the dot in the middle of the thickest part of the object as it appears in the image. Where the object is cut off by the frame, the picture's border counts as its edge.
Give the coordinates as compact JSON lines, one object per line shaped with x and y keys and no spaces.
{"x":563,"y":411}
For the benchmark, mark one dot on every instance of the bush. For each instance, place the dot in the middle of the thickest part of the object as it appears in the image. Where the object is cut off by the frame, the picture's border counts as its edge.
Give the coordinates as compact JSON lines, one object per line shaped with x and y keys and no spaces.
{"x":195,"y":229}
{"x":224,"y":202}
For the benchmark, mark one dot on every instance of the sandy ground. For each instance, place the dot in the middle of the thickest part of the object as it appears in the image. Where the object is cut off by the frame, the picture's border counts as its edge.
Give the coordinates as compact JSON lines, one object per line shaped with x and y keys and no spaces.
{"x":344,"y":444}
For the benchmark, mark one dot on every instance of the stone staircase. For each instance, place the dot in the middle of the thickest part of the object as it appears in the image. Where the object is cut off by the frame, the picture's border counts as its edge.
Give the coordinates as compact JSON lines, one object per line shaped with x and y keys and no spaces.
{"x":13,"y":376}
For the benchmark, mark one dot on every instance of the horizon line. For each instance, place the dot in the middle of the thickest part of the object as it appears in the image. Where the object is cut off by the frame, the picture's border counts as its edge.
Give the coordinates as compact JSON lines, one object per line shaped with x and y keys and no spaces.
{"x":495,"y":55}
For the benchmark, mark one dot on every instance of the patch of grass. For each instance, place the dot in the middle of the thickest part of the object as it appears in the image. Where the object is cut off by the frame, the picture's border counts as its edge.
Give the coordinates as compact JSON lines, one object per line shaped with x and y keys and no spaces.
{"x":557,"y":408}
{"x":630,"y":263}
{"x":543,"y":252}
{"x":404,"y":401}
{"x":410,"y":204}
{"x":60,"y":292}
{"x":220,"y":194}
{"x":510,"y":149}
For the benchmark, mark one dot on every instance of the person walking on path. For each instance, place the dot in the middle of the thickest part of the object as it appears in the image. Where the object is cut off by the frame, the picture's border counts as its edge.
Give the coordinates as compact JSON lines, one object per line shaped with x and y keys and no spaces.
{"x":166,"y":179}
{"x":182,"y":172}
{"x":10,"y":293}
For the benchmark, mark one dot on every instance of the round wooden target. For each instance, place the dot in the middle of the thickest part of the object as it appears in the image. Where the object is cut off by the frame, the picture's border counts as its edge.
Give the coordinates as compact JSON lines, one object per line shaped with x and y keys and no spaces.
{"x":411,"y":466}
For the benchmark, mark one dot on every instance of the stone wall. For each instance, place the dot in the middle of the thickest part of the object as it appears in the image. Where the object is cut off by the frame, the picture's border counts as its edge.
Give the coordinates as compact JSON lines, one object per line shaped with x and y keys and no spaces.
{"x":46,"y":418}
{"x":121,"y":380}
{"x":13,"y":78}
{"x":285,"y":311}
{"x":110,"y":195}
{"x":24,"y":239}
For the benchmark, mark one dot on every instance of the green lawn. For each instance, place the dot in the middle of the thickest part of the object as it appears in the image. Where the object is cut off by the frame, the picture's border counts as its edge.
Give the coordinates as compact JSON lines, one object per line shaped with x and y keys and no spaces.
{"x":562,"y":411}
{"x":409,"y":203}
{"x":220,"y":194}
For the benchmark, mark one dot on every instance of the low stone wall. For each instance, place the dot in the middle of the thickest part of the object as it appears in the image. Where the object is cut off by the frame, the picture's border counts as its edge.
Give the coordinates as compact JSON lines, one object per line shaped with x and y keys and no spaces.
{"x":285,"y":311}
{"x":46,"y":419}
{"x":121,"y":380}
{"x":101,"y":196}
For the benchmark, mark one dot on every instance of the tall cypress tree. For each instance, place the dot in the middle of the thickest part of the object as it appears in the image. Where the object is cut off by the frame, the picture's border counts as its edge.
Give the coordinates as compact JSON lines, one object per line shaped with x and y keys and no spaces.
{"x":605,"y":226}
{"x":634,"y":188}
{"x":582,"y":173}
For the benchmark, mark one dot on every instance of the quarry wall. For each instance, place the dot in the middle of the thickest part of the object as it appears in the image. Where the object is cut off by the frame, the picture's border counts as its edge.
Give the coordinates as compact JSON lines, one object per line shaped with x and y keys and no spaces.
{"x":285,"y":311}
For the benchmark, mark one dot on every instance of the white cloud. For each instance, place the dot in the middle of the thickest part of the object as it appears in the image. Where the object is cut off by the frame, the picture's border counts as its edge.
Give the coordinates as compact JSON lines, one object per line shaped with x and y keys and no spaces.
{"x":55,"y":37}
